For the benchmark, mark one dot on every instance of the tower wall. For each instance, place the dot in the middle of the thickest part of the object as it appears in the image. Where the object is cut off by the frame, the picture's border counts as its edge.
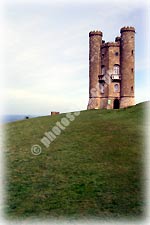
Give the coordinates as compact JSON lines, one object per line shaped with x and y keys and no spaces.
{"x":114,"y":59}
{"x":110,"y":58}
{"x":105,"y":64}
{"x":95,"y":41}
{"x":127,"y":66}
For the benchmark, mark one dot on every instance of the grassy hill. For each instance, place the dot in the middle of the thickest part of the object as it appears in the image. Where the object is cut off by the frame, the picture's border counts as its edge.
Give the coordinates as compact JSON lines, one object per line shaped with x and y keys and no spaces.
{"x":93,"y":169}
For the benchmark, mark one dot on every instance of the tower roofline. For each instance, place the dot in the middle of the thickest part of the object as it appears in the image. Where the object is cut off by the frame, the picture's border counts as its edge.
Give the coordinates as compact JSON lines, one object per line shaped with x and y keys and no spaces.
{"x":95,"y":33}
{"x":124,"y":29}
{"x":110,"y":44}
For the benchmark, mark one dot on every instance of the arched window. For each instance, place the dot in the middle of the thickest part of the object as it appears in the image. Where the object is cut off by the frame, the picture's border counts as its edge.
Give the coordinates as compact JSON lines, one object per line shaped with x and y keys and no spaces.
{"x":116,"y":87}
{"x":103,"y":70}
{"x":116,"y":69}
{"x":102,"y":88}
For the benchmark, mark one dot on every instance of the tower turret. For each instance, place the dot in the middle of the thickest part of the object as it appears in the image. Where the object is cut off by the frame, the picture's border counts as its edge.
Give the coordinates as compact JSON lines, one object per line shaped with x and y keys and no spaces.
{"x":127,"y":66}
{"x":95,"y":42}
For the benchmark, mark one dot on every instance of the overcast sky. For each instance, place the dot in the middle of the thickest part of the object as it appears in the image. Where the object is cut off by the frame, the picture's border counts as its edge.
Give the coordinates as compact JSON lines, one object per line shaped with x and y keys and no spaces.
{"x":47,"y":51}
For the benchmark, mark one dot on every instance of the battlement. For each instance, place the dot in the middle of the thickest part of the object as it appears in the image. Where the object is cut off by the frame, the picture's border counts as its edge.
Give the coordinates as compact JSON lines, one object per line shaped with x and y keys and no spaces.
{"x":127,"y":29}
{"x":110,"y":44}
{"x":92,"y":33}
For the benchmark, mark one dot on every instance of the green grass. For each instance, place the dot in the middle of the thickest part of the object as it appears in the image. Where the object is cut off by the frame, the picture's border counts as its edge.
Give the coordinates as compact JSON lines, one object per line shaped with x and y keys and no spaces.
{"x":93,"y":169}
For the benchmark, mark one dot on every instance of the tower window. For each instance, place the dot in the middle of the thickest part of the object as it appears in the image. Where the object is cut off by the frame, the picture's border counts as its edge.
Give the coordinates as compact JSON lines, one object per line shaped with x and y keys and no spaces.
{"x":132,"y":52}
{"x":132,"y":88}
{"x":116,"y":53}
{"x":116,"y":87}
{"x":132,"y":70}
{"x":102,"y":88}
{"x":116,"y":69}
{"x":102,"y":55}
{"x":103,"y":70}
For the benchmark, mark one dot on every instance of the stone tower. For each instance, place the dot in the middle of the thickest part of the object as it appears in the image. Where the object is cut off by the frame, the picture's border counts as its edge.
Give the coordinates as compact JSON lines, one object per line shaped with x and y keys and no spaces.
{"x":127,"y":66}
{"x":95,"y":42}
{"x":111,"y":70}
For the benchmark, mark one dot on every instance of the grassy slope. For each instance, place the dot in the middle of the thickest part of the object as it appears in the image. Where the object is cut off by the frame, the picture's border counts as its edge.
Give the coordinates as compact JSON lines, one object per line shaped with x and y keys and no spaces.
{"x":94,"y":168}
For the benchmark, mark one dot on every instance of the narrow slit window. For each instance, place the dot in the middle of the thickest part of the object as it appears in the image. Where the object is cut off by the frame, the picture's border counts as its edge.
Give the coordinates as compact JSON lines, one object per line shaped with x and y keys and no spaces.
{"x":103,"y":70}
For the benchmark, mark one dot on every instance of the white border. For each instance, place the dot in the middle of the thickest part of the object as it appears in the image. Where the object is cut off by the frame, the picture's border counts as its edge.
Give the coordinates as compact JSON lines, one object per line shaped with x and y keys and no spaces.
{"x":147,"y":120}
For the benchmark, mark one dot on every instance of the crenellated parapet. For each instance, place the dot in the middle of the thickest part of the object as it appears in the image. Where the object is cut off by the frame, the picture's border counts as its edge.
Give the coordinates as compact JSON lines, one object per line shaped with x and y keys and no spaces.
{"x":92,"y":33}
{"x":110,"y":44}
{"x":127,"y":29}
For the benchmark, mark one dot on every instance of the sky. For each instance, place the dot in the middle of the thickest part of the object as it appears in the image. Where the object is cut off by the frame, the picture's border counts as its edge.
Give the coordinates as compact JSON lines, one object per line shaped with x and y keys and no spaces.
{"x":46,"y":51}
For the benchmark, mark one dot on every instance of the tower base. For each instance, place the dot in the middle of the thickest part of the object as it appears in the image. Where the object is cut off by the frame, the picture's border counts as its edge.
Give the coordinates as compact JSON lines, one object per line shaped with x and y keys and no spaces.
{"x":126,"y":102}
{"x":97,"y":103}
{"x":109,"y":103}
{"x":94,"y":103}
